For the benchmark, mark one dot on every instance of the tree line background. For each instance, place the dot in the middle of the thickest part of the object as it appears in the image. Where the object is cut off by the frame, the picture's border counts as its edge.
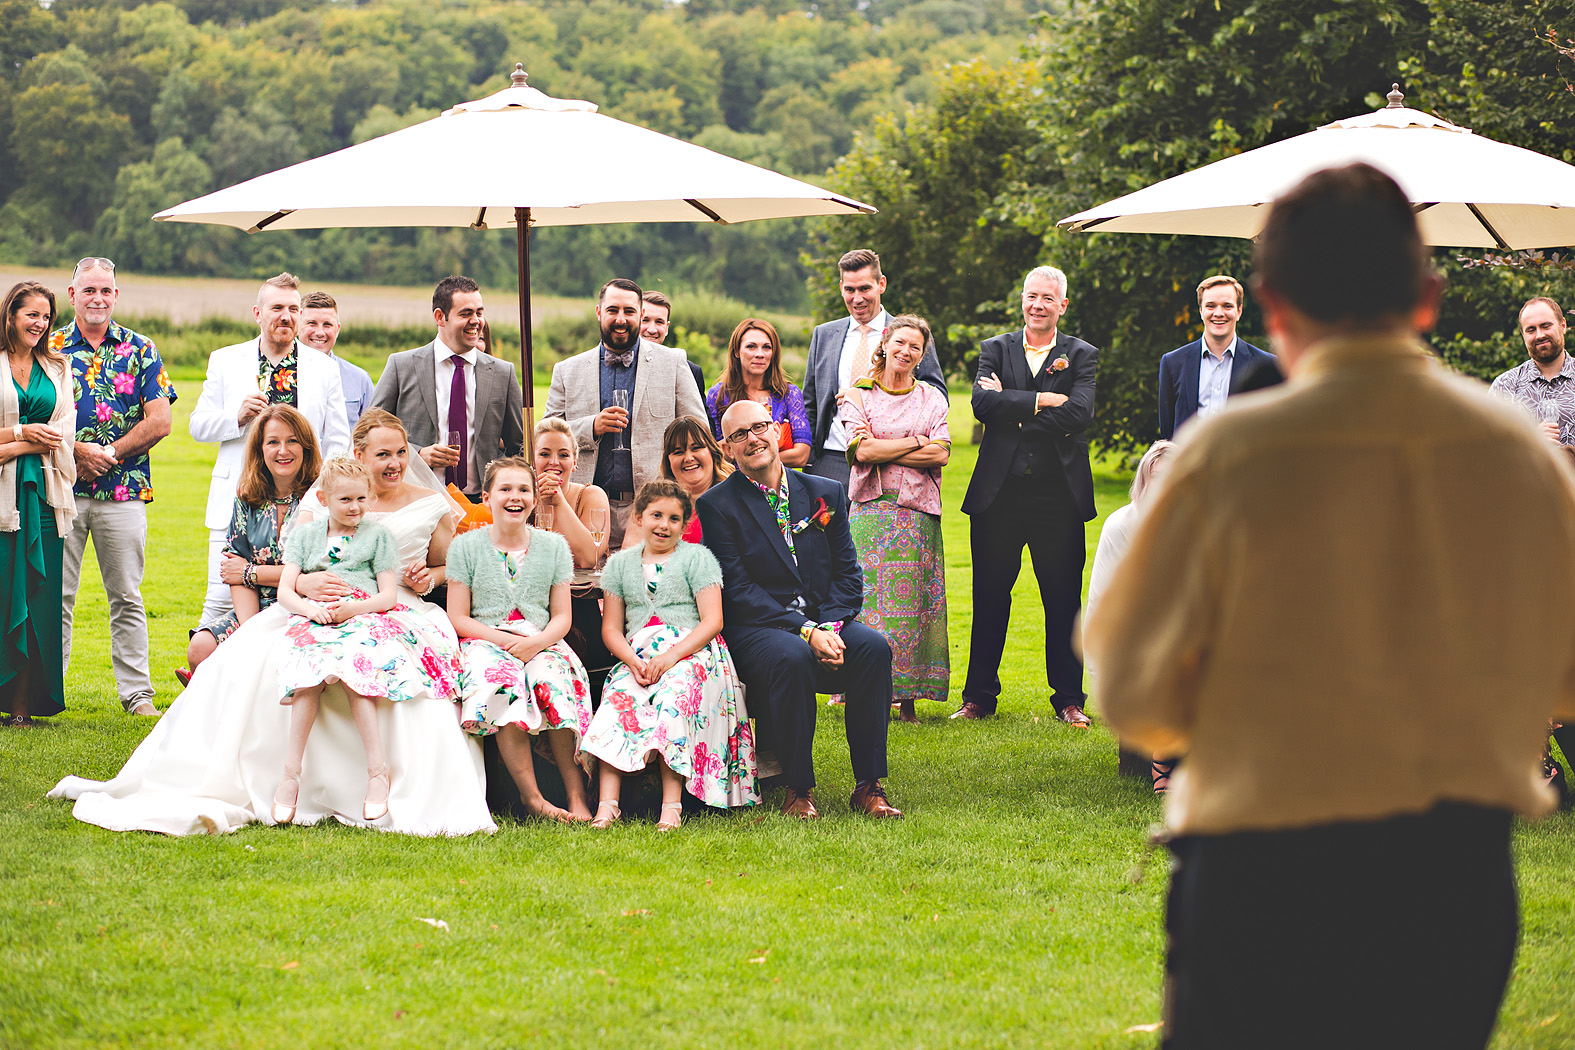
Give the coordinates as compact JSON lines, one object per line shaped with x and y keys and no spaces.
{"x":973,"y":126}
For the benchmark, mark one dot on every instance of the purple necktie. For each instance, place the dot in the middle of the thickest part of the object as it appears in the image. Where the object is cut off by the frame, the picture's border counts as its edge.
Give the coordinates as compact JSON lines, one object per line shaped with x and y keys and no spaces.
{"x":457,"y":421}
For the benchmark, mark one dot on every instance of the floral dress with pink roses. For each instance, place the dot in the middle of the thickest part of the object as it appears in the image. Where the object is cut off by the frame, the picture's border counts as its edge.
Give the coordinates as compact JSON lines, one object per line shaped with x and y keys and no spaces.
{"x":693,"y":718}
{"x":510,"y":591}
{"x":397,"y":655}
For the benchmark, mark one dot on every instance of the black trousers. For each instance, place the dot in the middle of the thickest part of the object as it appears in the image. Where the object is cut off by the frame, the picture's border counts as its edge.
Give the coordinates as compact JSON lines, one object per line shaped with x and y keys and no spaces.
{"x":780,"y":668}
{"x":1037,"y":513}
{"x":1387,"y":933}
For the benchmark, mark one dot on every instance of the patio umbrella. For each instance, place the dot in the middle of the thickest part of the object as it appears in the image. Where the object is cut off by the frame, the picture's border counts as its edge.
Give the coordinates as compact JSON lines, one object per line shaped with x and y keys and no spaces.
{"x":516,"y":157}
{"x":1468,"y":191}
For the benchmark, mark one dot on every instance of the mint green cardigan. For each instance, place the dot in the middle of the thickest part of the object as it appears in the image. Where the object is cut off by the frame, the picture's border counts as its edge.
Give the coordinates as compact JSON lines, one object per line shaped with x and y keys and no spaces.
{"x":371,"y":550}
{"x":476,"y":563}
{"x":691,"y":569}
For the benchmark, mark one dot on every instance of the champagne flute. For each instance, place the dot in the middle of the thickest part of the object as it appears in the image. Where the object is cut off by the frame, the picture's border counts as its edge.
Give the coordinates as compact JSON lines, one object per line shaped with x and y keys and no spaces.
{"x":596,"y":522}
{"x":1549,"y":412}
{"x":621,"y":399}
{"x":545,"y":515}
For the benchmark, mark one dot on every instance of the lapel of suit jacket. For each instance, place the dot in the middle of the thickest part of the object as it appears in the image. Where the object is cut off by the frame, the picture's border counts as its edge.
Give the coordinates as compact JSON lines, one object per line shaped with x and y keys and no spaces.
{"x":425,"y":381}
{"x":831,"y":363}
{"x":1016,"y":363}
{"x":489,"y":399}
{"x":1191,"y":373}
{"x":642,"y":381}
{"x":766,"y":518}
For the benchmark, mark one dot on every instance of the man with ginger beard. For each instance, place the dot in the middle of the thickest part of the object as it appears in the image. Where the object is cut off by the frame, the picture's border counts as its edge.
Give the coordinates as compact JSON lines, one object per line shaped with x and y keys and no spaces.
{"x":621,"y":449}
{"x":242,"y":380}
{"x":1544,"y":383}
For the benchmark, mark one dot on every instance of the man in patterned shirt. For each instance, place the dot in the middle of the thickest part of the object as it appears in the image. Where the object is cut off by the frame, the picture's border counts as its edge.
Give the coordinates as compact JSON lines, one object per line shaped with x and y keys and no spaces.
{"x":1544,"y":384}
{"x":123,"y":409}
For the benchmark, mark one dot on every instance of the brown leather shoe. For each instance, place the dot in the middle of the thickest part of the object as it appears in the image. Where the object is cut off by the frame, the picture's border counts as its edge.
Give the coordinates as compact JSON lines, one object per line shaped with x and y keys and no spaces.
{"x":799,"y":804}
{"x":870,"y":800}
{"x":1072,"y":715}
{"x":971,"y":711}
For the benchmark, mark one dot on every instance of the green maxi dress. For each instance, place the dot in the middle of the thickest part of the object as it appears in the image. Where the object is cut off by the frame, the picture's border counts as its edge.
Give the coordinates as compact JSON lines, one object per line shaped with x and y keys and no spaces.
{"x":30,"y":561}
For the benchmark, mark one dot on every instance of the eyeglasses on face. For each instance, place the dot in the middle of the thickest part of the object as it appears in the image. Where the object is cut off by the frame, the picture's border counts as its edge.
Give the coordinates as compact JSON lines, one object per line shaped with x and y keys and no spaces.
{"x":757,"y":429}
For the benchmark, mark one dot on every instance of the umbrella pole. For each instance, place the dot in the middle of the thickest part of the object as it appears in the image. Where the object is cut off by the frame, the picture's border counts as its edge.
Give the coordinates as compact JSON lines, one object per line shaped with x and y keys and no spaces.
{"x":527,"y":371}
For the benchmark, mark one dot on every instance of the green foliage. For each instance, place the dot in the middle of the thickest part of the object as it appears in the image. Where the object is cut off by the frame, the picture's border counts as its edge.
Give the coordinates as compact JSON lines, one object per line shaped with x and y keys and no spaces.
{"x":247,"y":86}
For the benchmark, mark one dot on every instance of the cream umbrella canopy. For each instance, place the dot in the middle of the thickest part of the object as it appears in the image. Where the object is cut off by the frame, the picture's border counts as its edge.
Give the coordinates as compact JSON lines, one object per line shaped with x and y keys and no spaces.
{"x":1468,"y":191}
{"x":549,"y":162}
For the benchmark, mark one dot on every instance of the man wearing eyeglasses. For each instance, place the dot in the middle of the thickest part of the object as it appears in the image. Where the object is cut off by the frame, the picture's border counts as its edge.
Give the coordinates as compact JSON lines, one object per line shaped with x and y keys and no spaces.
{"x":791,"y":591}
{"x":123,"y":409}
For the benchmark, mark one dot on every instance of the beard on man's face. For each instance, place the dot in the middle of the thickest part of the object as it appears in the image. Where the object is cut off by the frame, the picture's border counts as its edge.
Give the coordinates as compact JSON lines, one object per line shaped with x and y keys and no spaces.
{"x":619,"y":336}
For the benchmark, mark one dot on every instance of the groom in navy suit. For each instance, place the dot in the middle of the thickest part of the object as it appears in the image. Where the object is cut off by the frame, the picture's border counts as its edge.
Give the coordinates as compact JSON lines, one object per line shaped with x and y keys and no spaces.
{"x":791,"y":589}
{"x":1195,"y":379}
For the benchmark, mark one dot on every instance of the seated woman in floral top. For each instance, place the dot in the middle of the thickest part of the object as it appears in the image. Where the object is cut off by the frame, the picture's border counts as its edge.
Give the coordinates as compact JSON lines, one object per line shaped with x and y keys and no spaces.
{"x":282,"y":462}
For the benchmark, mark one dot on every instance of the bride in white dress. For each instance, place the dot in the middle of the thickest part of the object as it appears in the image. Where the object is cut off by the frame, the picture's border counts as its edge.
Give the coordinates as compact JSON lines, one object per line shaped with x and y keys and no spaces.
{"x":212,"y":763}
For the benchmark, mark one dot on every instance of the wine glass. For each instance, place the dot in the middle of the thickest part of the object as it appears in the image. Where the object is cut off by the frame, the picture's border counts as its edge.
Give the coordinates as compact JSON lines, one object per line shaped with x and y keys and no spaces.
{"x":621,"y":399}
{"x":596,"y":522}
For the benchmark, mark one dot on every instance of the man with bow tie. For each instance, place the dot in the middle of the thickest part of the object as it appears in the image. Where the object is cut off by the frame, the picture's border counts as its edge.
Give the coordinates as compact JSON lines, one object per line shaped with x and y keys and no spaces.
{"x":1032,"y":487}
{"x":620,"y":448}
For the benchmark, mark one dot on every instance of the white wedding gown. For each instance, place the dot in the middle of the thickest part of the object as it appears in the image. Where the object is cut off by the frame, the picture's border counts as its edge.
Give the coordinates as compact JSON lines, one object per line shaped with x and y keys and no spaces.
{"x":214,"y":760}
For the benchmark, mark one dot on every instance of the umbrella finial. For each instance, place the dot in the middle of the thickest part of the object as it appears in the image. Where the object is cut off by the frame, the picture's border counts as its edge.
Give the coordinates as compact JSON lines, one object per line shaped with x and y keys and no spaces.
{"x":1396,"y":97}
{"x":518,"y":77}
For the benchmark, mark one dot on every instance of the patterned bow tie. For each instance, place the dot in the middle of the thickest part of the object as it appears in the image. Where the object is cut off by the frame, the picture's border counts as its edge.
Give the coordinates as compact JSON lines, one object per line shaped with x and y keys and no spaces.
{"x":623,"y":360}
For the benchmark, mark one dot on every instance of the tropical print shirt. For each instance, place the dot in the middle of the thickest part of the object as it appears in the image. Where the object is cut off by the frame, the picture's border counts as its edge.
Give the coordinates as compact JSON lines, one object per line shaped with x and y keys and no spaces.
{"x":276,"y":382}
{"x":111,"y":385}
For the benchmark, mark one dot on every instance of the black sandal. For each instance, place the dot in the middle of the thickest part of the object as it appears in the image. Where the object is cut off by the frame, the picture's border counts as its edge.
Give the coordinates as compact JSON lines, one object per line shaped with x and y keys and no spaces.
{"x":1161,"y":771}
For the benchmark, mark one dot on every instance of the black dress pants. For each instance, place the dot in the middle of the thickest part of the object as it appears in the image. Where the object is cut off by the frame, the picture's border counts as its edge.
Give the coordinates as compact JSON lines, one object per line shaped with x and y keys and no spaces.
{"x":1036,"y":512}
{"x":780,"y":667}
{"x":1387,"y":933}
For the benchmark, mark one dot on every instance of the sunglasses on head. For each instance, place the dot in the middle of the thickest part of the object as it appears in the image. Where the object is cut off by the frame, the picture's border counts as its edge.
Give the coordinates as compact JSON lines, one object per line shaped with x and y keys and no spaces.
{"x":95,"y":262}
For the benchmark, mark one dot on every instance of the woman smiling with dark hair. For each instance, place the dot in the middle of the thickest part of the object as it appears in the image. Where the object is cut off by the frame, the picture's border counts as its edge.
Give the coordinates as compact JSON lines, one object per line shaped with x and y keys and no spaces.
{"x":691,"y":457}
{"x":37,"y":423}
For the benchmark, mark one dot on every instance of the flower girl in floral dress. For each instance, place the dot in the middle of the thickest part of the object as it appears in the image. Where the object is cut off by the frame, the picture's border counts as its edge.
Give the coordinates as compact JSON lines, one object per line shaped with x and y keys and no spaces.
{"x":675,"y":697}
{"x":508,"y":598}
{"x":362,"y":643}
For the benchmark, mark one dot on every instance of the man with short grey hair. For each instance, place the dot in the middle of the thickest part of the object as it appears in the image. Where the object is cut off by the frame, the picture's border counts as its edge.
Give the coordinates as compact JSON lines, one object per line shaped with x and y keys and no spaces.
{"x":123,"y":409}
{"x":1031,"y":487}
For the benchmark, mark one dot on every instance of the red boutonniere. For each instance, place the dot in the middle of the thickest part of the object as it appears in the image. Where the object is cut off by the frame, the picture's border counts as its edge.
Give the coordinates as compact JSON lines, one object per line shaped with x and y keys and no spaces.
{"x":1060,"y":364}
{"x":819,"y":517}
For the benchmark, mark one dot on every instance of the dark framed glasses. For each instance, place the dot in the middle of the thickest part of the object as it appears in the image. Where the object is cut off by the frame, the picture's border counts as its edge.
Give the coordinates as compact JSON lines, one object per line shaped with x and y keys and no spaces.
{"x":757,"y":429}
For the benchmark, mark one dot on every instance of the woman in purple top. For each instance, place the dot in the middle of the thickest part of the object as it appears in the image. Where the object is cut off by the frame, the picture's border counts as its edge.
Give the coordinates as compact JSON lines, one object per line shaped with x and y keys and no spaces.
{"x":754,"y":373}
{"x":898,"y":442}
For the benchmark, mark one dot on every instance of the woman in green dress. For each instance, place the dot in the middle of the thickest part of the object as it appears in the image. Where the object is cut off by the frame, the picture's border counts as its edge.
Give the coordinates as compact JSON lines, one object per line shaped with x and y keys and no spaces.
{"x":37,"y":471}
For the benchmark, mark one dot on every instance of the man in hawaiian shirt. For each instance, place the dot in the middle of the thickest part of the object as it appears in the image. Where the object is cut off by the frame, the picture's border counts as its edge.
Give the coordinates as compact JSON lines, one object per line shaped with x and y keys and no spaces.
{"x":123,"y":409}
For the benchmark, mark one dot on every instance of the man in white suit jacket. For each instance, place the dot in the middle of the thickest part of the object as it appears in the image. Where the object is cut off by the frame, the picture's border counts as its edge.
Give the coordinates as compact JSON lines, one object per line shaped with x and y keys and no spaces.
{"x":583,"y":393}
{"x":231,"y":397}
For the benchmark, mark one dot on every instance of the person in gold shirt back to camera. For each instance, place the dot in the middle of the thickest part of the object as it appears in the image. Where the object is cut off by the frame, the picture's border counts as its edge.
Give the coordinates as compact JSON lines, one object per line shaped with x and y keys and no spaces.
{"x":1329,"y":612}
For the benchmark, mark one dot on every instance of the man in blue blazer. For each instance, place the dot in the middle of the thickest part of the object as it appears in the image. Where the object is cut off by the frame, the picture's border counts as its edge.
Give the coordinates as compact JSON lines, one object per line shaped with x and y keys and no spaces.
{"x":791,"y":589}
{"x":839,"y":353}
{"x":1031,"y":487}
{"x":1195,"y":379}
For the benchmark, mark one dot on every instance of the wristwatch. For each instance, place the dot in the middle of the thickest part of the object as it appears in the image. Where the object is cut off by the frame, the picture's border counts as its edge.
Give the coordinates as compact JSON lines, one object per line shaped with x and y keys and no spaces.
{"x":109,"y":450}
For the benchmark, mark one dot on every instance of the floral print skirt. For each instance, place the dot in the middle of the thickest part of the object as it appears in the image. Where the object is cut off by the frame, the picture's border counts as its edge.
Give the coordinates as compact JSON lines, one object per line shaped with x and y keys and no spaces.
{"x":552,"y":691}
{"x":693,"y":719}
{"x":398,"y":655}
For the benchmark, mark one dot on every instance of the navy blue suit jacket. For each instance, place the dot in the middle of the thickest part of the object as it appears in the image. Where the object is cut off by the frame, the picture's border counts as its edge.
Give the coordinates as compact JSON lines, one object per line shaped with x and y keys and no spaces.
{"x":759,"y":577}
{"x":1009,"y":416}
{"x":1178,"y":380}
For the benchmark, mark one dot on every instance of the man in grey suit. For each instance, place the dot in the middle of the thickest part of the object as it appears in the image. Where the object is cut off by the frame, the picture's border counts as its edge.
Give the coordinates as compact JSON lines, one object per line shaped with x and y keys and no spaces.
{"x":839,"y":353}
{"x":449,"y":387}
{"x":621,"y":449}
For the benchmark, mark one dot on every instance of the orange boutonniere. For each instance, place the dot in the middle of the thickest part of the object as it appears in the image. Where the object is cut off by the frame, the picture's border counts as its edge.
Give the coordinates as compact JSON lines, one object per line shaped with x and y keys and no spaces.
{"x":1060,"y":364}
{"x":819,"y":517}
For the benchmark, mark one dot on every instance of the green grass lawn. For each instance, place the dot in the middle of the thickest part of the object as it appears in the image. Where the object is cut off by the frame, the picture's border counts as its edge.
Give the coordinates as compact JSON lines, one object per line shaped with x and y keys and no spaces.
{"x":1002,"y":912}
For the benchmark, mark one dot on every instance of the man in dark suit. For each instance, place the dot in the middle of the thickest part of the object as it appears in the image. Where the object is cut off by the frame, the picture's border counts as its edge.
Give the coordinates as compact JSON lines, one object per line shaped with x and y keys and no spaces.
{"x":839,"y":353}
{"x":450,"y":386}
{"x":1195,"y":379}
{"x":1031,"y":486}
{"x":656,"y":322}
{"x":791,"y":589}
